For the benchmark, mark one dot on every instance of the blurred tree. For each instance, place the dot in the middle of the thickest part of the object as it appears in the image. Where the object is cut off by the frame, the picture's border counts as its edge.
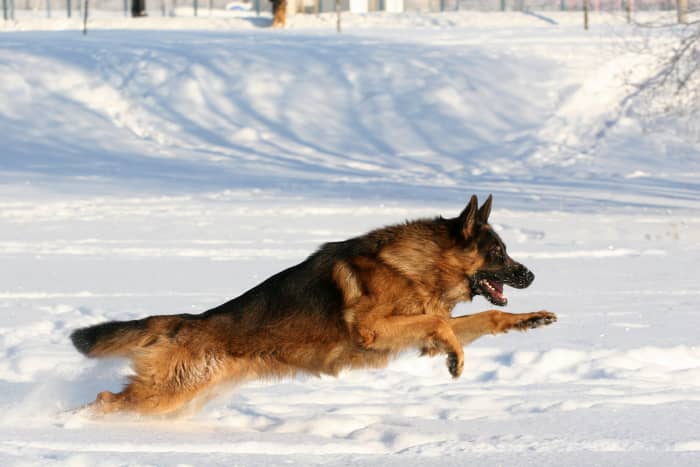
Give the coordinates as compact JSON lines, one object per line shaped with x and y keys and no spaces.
{"x":138,"y":8}
{"x":671,"y":84}
{"x":678,"y":71}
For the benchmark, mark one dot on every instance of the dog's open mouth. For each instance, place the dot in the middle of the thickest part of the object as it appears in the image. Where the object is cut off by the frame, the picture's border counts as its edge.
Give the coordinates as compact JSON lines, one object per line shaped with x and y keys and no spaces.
{"x":493,"y":291}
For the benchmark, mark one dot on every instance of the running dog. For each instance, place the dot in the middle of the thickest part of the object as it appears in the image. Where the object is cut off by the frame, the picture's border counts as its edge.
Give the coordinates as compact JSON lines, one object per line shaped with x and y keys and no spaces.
{"x":351,"y":304}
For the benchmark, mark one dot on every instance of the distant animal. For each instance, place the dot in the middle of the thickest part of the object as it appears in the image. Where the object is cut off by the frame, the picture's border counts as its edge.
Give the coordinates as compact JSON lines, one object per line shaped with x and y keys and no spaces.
{"x":352,"y":304}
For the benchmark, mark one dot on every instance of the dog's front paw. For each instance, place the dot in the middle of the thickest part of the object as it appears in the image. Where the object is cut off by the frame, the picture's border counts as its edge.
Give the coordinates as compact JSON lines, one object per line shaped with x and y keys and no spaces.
{"x":535,"y":320}
{"x":455,"y":364}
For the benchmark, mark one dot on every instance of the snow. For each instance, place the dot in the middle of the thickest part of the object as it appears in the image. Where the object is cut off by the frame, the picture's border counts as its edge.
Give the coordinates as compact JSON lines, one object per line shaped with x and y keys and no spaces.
{"x":155,"y":166}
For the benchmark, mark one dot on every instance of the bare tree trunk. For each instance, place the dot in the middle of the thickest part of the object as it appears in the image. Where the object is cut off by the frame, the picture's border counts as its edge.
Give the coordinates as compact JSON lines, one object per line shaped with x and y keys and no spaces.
{"x":682,"y":6}
{"x":585,"y":14}
{"x":337,"y":11}
{"x":85,"y":16}
{"x":279,"y":10}
{"x":138,"y":8}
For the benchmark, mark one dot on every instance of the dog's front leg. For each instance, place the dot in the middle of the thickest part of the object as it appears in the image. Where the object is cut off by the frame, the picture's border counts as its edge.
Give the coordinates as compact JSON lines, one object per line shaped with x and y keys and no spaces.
{"x":397,"y":332}
{"x":471,"y":327}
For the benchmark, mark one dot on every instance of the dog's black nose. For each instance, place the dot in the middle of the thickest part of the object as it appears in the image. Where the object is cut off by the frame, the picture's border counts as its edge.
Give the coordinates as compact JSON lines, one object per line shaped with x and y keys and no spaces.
{"x":529,"y":277}
{"x":522,"y":277}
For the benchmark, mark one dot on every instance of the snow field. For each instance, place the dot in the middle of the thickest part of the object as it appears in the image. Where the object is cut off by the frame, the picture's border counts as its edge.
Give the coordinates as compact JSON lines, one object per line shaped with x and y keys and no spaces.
{"x":409,"y":117}
{"x":147,"y":171}
{"x":620,"y":349}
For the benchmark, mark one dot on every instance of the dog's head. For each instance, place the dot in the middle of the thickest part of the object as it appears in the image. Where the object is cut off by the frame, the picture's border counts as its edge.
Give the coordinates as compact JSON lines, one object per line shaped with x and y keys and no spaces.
{"x":493,"y":267}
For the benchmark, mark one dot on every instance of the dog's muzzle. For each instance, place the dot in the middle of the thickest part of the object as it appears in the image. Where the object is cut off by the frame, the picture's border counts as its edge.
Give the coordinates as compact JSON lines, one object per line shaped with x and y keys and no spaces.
{"x":520,"y":277}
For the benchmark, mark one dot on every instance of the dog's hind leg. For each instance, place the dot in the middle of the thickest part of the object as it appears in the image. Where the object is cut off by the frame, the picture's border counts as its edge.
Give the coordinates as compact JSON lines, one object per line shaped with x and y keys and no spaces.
{"x":145,"y":399}
{"x":471,"y":327}
{"x":167,"y":379}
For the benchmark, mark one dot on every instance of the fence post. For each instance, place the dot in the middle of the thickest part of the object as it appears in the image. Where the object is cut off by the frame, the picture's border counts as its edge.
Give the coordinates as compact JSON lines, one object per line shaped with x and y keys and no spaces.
{"x":68,"y":8}
{"x":585,"y":14}
{"x":257,"y":7}
{"x":126,"y":7}
{"x":503,"y":5}
{"x":4,"y":9}
{"x":85,"y":15}
{"x":337,"y":12}
{"x":562,"y":5}
{"x":48,"y":8}
{"x":442,"y":5}
{"x":194,"y":6}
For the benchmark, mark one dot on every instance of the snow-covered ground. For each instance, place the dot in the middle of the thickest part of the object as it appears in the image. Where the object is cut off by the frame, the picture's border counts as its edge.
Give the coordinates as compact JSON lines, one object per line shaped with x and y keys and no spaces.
{"x":145,"y":170}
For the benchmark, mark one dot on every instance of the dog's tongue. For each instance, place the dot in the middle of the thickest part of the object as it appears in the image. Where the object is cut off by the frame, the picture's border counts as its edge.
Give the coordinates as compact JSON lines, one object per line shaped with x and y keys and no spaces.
{"x":496,"y":288}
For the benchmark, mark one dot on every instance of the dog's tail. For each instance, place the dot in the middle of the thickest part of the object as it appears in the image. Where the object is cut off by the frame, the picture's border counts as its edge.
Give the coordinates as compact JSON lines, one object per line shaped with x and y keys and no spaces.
{"x":113,"y":339}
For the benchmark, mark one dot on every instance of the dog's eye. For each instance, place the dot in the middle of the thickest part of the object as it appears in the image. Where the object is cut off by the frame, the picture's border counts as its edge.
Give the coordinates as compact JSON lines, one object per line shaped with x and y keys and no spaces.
{"x":496,"y":253}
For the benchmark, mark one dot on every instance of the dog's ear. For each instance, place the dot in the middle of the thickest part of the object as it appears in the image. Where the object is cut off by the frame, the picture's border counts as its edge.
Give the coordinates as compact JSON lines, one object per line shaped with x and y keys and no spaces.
{"x":467,"y":219}
{"x":485,"y":210}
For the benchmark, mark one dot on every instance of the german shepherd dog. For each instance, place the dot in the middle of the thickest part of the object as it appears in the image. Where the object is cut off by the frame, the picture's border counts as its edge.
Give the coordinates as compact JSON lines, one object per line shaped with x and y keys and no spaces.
{"x":351,"y":304}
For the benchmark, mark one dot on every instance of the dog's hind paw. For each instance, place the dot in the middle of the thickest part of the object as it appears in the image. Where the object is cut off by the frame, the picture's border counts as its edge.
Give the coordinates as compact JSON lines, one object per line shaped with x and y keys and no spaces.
{"x":455,"y":364}
{"x":535,"y":320}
